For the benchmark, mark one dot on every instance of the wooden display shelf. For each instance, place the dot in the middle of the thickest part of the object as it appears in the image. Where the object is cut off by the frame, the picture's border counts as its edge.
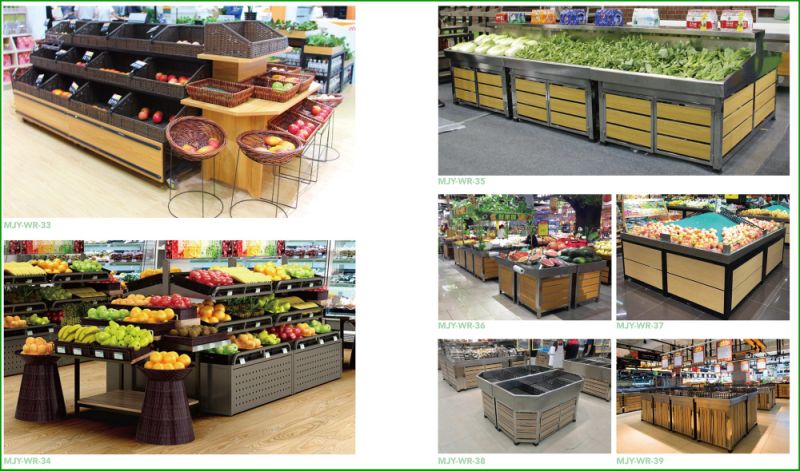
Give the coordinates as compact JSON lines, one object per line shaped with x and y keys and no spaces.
{"x":236,"y":69}
{"x":137,"y":153}
{"x":253,"y":106}
{"x":120,"y":401}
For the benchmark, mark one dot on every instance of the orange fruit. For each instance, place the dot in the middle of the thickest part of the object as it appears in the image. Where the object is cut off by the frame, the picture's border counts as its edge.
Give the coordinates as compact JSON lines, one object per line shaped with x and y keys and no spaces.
{"x":185,"y":360}
{"x":149,"y":365}
{"x":155,"y":357}
{"x":178,"y":366}
{"x":167,"y":366}
{"x":158,"y":366}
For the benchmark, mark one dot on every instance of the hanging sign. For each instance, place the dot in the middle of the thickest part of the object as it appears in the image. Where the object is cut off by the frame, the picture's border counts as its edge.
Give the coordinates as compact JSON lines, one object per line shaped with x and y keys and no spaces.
{"x":761,"y":363}
{"x":665,"y":361}
{"x":543,"y":229}
{"x":698,"y":355}
{"x":677,"y":360}
{"x":725,"y":350}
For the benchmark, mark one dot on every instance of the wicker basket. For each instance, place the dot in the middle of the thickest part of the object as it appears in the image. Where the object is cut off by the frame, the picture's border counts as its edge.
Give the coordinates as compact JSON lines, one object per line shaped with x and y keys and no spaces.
{"x":68,"y":64}
{"x":166,"y":41}
{"x":144,"y":79}
{"x":282,"y":122}
{"x":134,"y":37}
{"x":249,"y":141}
{"x":165,"y":418}
{"x":332,"y":102}
{"x":196,"y":132}
{"x":92,"y":100}
{"x":61,"y":32}
{"x":243,"y":39}
{"x":90,"y":36}
{"x":24,"y":80}
{"x":289,"y":69}
{"x":126,"y":114}
{"x":304,"y":108}
{"x":44,"y":57}
{"x":304,"y":80}
{"x":233,"y":94}
{"x":112,"y":60}
{"x":60,"y":82}
{"x":262,"y":88}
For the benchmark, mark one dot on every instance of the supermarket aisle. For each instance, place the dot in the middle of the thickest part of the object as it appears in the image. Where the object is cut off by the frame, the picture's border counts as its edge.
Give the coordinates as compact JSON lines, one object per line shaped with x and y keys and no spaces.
{"x":770,"y":301}
{"x":463,"y":429}
{"x":529,"y":149}
{"x":70,"y":180}
{"x":771,"y":435}
{"x":319,"y":420}
{"x":462,"y":296}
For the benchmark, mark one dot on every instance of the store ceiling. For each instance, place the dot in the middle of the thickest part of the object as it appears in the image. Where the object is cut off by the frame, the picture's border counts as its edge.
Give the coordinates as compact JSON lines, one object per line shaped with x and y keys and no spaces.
{"x":668,"y":345}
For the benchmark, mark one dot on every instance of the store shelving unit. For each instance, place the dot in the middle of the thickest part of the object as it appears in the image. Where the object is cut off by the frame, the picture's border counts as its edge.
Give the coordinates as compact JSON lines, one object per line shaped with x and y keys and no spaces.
{"x":15,"y":26}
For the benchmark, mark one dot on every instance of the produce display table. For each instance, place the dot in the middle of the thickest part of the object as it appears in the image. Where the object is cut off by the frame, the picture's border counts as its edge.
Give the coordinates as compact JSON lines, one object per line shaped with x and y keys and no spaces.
{"x":766,"y":397}
{"x":596,"y":374}
{"x":14,"y":339}
{"x":711,"y":281}
{"x":628,"y":401}
{"x":462,"y":374}
{"x":483,"y":263}
{"x":40,"y":396}
{"x":545,"y":290}
{"x":782,"y":390}
{"x":784,"y":221}
{"x":448,"y":250}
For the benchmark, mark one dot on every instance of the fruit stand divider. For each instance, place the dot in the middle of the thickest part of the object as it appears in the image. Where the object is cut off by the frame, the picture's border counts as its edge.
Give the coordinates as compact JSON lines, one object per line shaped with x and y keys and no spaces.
{"x":654,"y":257}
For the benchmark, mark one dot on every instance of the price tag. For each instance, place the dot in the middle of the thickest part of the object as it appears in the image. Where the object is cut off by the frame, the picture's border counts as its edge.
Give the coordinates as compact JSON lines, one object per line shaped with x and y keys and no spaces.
{"x":29,"y":332}
{"x":104,"y":28}
{"x":51,"y":330}
{"x":242,"y":361}
{"x":77,"y":351}
{"x":335,"y":338}
{"x":285,"y":350}
{"x":258,"y":290}
{"x":119,"y":356}
{"x":230,"y":293}
{"x":61,"y":350}
{"x":98,"y":354}
{"x":289,"y":319}
{"x":138,"y":65}
{"x":60,"y":53}
{"x":29,"y":308}
{"x":288,"y":286}
{"x":266,"y":355}
{"x":87,"y":56}
{"x":114,"y":100}
{"x":230,"y":329}
{"x":39,"y":79}
{"x":72,"y":23}
{"x":152,"y":30}
{"x":322,"y":341}
{"x":258,"y":324}
{"x":302,"y":347}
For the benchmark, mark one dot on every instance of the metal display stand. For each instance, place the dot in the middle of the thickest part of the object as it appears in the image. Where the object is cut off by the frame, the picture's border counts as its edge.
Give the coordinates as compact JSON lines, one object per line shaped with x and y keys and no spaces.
{"x":172,"y":183}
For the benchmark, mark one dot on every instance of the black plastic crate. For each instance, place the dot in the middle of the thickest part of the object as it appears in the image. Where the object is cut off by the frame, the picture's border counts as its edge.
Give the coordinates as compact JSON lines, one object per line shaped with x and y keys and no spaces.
{"x":245,"y":356}
{"x":92,"y":35}
{"x":26,"y":82}
{"x":134,"y":37}
{"x":144,"y":79}
{"x":68,"y":63}
{"x":79,"y":276}
{"x":298,"y":284}
{"x":158,"y":329}
{"x":194,"y":341}
{"x":166,"y":41}
{"x":92,"y":100}
{"x":113,"y":60}
{"x":45,"y":57}
{"x":63,"y":83}
{"x":220,"y":292}
{"x":126,"y":114}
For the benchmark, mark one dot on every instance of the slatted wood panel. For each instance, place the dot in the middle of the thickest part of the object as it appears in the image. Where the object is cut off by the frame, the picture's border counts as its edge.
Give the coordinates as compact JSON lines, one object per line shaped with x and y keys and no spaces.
{"x":766,"y":398}
{"x":684,"y":113}
{"x":683,"y":147}
{"x":550,"y":422}
{"x":684,"y":130}
{"x":506,"y":280}
{"x":745,"y":278}
{"x":568,"y":107}
{"x":521,"y":426}
{"x":555,"y":292}
{"x":632,"y":402}
{"x":762,"y":113}
{"x":661,"y":414}
{"x":644,"y":273}
{"x":631,"y":120}
{"x":765,"y":82}
{"x":530,"y":86}
{"x":765,"y":96}
{"x":634,"y":136}
{"x":487,"y":267}
{"x":632,"y":105}
{"x":620,"y":403}
{"x":490,"y":90}
{"x":696,"y":270}
{"x":566,"y":412}
{"x":463,"y":84}
{"x":468,"y":262}
{"x":737,"y":100}
{"x":642,"y":254}
{"x":733,"y":120}
{"x":489,"y":408}
{"x":722,"y":427}
{"x":782,"y":391}
{"x":597,"y":388}
{"x":532,"y":99}
{"x":647,"y":409}
{"x":466,"y":96}
{"x":734,"y":137}
{"x":568,"y":93}
{"x":532,"y":112}
{"x":490,"y":79}
{"x":465,"y":74}
{"x":567,"y":120}
{"x":704,"y":295}
{"x":492,"y":102}
{"x":683,"y":418}
{"x":752,"y":412}
{"x":587,"y":286}
{"x":774,"y":255}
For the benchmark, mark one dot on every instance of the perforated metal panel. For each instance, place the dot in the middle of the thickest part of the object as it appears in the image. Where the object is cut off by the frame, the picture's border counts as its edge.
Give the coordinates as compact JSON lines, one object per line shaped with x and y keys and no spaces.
{"x":12,"y":364}
{"x":317,"y":364}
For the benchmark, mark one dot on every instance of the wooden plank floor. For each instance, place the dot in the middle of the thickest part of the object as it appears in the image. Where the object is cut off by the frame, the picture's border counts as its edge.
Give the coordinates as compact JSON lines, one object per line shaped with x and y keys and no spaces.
{"x":319,"y":420}
{"x":70,"y":181}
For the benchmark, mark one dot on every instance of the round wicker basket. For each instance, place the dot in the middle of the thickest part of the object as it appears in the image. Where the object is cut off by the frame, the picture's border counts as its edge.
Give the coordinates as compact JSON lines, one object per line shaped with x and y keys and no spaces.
{"x":250,"y":141}
{"x":196,"y":132}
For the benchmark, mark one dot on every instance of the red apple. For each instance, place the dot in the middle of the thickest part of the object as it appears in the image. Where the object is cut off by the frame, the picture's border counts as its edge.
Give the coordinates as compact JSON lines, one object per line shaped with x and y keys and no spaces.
{"x":303,"y":134}
{"x":300,"y":123}
{"x":158,"y":117}
{"x":293,"y":129}
{"x":316,"y":110}
{"x":173,"y":81}
{"x":158,"y":76}
{"x":144,"y":113}
{"x":171,"y":77}
{"x":171,"y":117}
{"x":213,"y":142}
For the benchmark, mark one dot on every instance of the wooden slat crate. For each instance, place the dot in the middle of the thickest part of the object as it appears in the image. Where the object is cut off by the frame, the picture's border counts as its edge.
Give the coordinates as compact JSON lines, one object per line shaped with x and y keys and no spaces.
{"x":597,"y":388}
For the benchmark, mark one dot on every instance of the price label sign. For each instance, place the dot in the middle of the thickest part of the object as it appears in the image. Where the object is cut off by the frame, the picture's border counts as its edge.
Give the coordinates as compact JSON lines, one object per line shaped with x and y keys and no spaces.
{"x":677,"y":360}
{"x":60,"y":53}
{"x":230,"y":293}
{"x":87,"y":56}
{"x":114,"y":100}
{"x":302,"y":347}
{"x":28,"y":332}
{"x":98,"y":354}
{"x":258,"y":290}
{"x":119,"y":356}
{"x":289,"y":319}
{"x":152,"y":30}
{"x":724,"y":350}
{"x":72,"y":89}
{"x":61,"y":350}
{"x":266,"y":355}
{"x":51,"y":330}
{"x":39,"y":80}
{"x":104,"y":28}
{"x":285,"y":350}
{"x":258,"y":324}
{"x":138,"y":65}
{"x":29,"y":308}
{"x":77,"y":351}
{"x":335,"y":338}
{"x":698,"y":355}
{"x":322,"y":341}
{"x":69,"y":278}
{"x":242,"y":361}
{"x":230,"y":329}
{"x":289,"y":287}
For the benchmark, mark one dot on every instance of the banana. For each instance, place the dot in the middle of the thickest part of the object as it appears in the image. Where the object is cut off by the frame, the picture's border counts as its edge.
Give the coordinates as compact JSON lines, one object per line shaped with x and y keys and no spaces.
{"x":88,"y":339}
{"x":66,"y":331}
{"x":84,"y":332}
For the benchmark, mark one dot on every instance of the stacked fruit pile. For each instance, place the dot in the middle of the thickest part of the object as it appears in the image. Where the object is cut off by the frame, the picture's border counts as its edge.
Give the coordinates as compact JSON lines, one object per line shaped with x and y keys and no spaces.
{"x":275,"y":144}
{"x":172,"y":79}
{"x":245,"y":341}
{"x":296,"y":270}
{"x":210,"y":278}
{"x":175,"y":301}
{"x":22,"y":269}
{"x":149,"y":316}
{"x":132,"y":300}
{"x":37,"y":346}
{"x":157,"y":117}
{"x":53,"y":266}
{"x":14,"y":322}
{"x":229,"y":349}
{"x":54,"y":293}
{"x":167,"y":361}
{"x":104,"y":313}
{"x":78,"y":334}
{"x":157,"y":271}
{"x":128,"y":336}
{"x":211,"y":144}
{"x":302,"y":128}
{"x":705,"y":239}
{"x":211,"y":313}
{"x":271,"y":270}
{"x":243,"y":275}
{"x":603,"y":248}
{"x":193,"y":331}
{"x":267,"y":338}
{"x":36,"y":320}
{"x":766,"y":213}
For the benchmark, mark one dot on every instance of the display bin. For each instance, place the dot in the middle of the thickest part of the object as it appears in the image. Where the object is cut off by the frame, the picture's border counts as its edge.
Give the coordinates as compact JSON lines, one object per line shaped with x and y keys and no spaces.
{"x":45,"y":57}
{"x":113,"y":60}
{"x":596,"y":374}
{"x":157,"y":329}
{"x":506,"y":278}
{"x":316,"y":360}
{"x":544,"y":289}
{"x":587,"y":282}
{"x":67,"y":64}
{"x":134,"y":37}
{"x":79,"y":276}
{"x":92,"y":100}
{"x":194,"y":341}
{"x":166,"y":41}
{"x":714,"y":282}
{"x":20,"y":280}
{"x":480,"y":81}
{"x":304,"y":109}
{"x":531,"y":408}
{"x":462,"y":374}
{"x":248,"y":39}
{"x":143,"y":283}
{"x":26,"y":82}
{"x":144,"y":78}
{"x":766,"y":397}
{"x":91,"y":35}
{"x":247,"y":380}
{"x":782,"y":390}
{"x":487,"y":380}
{"x":62,"y":31}
{"x":24,"y":308}
{"x":12,"y":363}
{"x":721,"y":418}
{"x":59,"y":82}
{"x":297,"y":284}
{"x":484,"y":265}
{"x":220,"y":292}
{"x":125,"y":116}
{"x":647,"y":407}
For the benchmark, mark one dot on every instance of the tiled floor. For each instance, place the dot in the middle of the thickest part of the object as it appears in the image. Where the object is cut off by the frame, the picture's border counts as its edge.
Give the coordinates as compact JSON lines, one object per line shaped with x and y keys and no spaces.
{"x":771,"y":435}
{"x":770,"y":301}
{"x":462,"y":296}
{"x":463,"y":429}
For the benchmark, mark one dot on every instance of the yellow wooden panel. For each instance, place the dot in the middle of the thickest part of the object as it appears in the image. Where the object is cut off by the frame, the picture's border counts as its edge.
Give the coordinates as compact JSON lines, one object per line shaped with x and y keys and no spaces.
{"x":463,"y":73}
{"x":744,"y":288}
{"x":492,"y":102}
{"x":766,"y":81}
{"x":643,"y":273}
{"x":733,"y":102}
{"x":466,"y":96}
{"x":786,"y":239}
{"x":683,"y":147}
{"x":765,"y":96}
{"x":763,"y":112}
{"x":570,"y":107}
{"x":735,"y":119}
{"x":631,"y":120}
{"x":530,"y":86}
{"x":532,"y":112}
{"x":490,"y":79}
{"x":464,"y":84}
{"x":625,"y":103}
{"x":744,"y":270}
{"x":532,"y":99}
{"x":642,"y":254}
{"x":684,"y":130}
{"x":567,"y":93}
{"x":736,"y":135}
{"x":685,"y":113}
{"x":568,"y":121}
{"x":628,"y":135}
{"x":696,"y":270}
{"x":785,"y":65}
{"x":698,"y":293}
{"x":774,"y":255}
{"x":490,"y":90}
